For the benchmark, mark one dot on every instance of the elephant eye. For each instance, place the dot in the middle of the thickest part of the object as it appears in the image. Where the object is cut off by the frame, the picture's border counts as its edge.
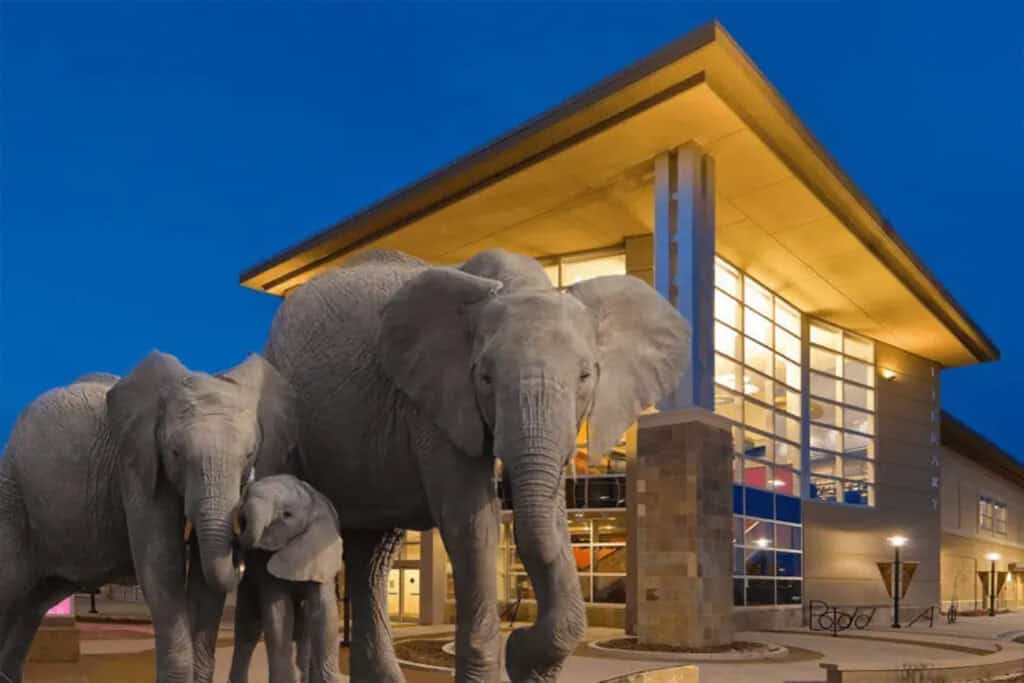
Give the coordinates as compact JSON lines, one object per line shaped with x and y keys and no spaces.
{"x":486,"y":379}
{"x":287,"y":514}
{"x":585,"y":375}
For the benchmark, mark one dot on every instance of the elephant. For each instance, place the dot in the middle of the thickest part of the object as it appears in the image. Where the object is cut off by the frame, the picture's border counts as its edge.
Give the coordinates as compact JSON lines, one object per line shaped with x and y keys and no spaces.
{"x":412,"y":378}
{"x":97,"y":479}
{"x":289,"y":532}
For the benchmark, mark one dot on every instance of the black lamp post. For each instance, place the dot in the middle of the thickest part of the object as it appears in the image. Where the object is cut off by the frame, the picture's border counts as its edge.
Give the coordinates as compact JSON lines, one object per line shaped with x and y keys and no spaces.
{"x":992,"y":557}
{"x":896,"y":542}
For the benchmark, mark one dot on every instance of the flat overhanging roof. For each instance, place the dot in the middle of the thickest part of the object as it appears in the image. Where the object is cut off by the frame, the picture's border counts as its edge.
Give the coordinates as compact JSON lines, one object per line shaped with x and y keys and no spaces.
{"x":580,"y":176}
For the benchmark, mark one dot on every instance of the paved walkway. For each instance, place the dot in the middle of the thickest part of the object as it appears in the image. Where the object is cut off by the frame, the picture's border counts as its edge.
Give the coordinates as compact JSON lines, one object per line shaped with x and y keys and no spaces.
{"x":111,"y":649}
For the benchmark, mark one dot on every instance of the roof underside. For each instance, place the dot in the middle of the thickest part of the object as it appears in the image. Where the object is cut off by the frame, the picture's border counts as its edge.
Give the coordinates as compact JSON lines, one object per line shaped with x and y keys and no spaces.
{"x":581,"y":177}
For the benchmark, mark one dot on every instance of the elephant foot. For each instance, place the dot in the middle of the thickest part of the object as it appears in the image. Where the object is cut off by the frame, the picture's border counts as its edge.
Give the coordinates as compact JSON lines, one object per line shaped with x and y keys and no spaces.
{"x":525,"y":664}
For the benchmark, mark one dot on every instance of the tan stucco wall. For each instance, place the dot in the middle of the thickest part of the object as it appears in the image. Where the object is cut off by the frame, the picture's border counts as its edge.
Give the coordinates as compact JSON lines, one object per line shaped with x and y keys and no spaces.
{"x":964,"y":544}
{"x":843,"y":543}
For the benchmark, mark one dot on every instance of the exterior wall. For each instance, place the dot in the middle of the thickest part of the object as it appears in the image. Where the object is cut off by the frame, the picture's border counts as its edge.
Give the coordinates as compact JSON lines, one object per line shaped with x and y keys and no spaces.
{"x":965,"y":544}
{"x":843,"y":543}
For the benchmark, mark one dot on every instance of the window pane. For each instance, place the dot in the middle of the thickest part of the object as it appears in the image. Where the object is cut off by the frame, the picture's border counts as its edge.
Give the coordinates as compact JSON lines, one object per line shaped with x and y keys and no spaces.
{"x":757,"y":297}
{"x":858,"y":396}
{"x":759,"y":562}
{"x":785,"y":481}
{"x":787,"y":344}
{"x":787,"y":372}
{"x":728,"y":404}
{"x":787,"y":427}
{"x":787,"y":399}
{"x":552,"y":273}
{"x":727,"y":310}
{"x":788,"y":564}
{"x":823,"y":463}
{"x":790,"y":592}
{"x":757,"y":445}
{"x":611,"y":529}
{"x":728,"y":341}
{"x":758,"y":357}
{"x":826,"y":335}
{"x":826,"y":438}
{"x":860,"y":470}
{"x":857,"y":493}
{"x":727,"y":278}
{"x":826,"y":413}
{"x":758,"y":534}
{"x":610,"y":560}
{"x":756,"y":473}
{"x":757,"y":416}
{"x":756,"y":326}
{"x":578,"y":271}
{"x":858,"y":445}
{"x":859,"y":421}
{"x":738,"y":588}
{"x":787,"y":537}
{"x":727,"y":372}
{"x":826,"y":361}
{"x":826,"y":387}
{"x":858,"y":372}
{"x":787,"y":316}
{"x":758,"y":386}
{"x":787,"y":454}
{"x":859,"y":347}
{"x":610,"y":589}
{"x":760,"y":592}
{"x":824,"y":489}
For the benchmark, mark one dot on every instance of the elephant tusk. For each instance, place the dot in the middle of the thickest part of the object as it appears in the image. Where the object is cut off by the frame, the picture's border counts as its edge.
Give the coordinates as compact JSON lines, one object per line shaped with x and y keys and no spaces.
{"x":188,"y":529}
{"x":235,"y":525}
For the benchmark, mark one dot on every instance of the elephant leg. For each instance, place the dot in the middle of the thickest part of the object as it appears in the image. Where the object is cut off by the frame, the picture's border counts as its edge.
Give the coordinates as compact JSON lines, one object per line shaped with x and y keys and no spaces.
{"x":21,"y":627}
{"x":320,"y":634}
{"x":206,"y":608}
{"x":278,"y":627}
{"x":300,"y":637}
{"x":470,"y":535}
{"x":368,"y":558}
{"x":248,"y":627}
{"x":155,"y":524}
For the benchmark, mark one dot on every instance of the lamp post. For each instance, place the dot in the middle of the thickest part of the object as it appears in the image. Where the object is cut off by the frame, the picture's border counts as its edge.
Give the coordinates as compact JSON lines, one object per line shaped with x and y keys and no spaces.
{"x":992,"y":557}
{"x":896,"y":542}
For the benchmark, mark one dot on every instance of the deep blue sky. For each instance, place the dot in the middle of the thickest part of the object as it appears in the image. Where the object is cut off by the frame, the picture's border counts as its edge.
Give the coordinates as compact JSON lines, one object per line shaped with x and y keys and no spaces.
{"x":152,"y":151}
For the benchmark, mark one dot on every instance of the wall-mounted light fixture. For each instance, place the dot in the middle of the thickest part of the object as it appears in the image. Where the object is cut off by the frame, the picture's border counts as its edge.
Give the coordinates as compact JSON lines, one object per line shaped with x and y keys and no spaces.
{"x":888,"y":375}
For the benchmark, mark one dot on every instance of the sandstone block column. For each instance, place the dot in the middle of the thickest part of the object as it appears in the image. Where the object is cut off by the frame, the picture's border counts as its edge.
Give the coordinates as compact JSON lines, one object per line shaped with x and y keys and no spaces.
{"x":681,"y":501}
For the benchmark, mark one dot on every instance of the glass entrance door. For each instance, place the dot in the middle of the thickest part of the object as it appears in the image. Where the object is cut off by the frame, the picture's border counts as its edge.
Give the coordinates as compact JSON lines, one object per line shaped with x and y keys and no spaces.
{"x":404,"y":595}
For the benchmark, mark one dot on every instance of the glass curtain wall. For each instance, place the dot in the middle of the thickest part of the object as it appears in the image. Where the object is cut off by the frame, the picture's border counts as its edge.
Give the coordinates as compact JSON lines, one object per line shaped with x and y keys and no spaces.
{"x":758,"y":380}
{"x":842,"y":416}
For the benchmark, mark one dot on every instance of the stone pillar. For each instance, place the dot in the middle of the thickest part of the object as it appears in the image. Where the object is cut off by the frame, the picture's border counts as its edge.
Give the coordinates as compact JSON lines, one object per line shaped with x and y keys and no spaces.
{"x":433,"y":579}
{"x":682,"y":506}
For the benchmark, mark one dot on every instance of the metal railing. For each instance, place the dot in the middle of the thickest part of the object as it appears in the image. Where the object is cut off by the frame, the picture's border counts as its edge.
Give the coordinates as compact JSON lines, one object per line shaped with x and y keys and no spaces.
{"x":591,"y":491}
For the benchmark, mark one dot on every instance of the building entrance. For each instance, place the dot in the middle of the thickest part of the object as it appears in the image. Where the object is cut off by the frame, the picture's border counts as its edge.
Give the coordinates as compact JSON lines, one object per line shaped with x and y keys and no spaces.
{"x":404,"y":595}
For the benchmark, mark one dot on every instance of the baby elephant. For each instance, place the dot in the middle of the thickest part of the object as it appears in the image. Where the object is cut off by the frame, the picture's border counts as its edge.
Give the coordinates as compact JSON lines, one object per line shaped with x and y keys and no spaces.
{"x":293,"y":553}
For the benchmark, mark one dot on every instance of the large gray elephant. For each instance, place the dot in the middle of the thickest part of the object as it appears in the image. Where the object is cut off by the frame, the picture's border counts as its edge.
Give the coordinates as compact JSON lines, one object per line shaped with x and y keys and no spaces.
{"x":412,"y":378}
{"x":289,"y":531}
{"x":96,"y":481}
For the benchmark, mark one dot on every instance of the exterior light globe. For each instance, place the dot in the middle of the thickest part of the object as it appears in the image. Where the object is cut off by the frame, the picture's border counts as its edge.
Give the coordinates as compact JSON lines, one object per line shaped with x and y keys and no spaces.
{"x":993,"y":557}
{"x":898,"y":541}
{"x":888,"y":375}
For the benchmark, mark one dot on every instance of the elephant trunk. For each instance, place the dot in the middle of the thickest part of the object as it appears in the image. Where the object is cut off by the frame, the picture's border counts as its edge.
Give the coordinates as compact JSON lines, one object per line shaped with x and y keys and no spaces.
{"x":214,"y":497}
{"x":538,"y":435}
{"x":253,"y":520}
{"x":538,"y":495}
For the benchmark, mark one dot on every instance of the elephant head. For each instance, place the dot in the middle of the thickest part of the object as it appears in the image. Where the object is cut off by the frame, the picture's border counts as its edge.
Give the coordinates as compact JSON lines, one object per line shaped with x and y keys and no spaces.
{"x":289,"y":518}
{"x":505,"y":364}
{"x":202,"y":435}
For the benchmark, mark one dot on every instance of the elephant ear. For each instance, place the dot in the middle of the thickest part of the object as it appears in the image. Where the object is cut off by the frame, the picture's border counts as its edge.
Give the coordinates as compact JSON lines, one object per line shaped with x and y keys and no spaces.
{"x":275,"y":410}
{"x":134,"y":410}
{"x":426,"y":347}
{"x":315,"y":554}
{"x":513,"y":271}
{"x":643,"y":349}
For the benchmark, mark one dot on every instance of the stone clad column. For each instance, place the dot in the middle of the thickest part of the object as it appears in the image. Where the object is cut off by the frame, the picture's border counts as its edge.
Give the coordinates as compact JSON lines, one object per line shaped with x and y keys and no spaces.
{"x":682,"y":506}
